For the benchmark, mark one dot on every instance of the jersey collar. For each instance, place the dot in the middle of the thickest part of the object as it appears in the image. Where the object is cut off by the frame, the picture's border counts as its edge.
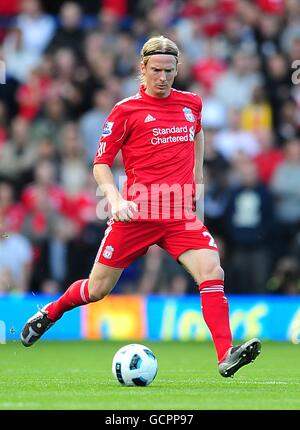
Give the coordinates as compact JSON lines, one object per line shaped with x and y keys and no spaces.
{"x":152,"y":98}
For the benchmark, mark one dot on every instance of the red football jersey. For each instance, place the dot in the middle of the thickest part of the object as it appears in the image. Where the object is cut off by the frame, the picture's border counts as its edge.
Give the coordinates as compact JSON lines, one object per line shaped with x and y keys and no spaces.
{"x":156,"y":137}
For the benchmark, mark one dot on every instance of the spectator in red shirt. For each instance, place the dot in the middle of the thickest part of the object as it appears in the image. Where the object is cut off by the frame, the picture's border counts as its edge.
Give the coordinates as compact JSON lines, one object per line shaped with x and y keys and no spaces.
{"x":10,"y":8}
{"x":269,"y":157}
{"x":207,"y":70}
{"x":272,"y":6}
{"x":212,"y":13}
{"x":45,"y":183}
{"x":11,"y":209}
{"x":31,"y":95}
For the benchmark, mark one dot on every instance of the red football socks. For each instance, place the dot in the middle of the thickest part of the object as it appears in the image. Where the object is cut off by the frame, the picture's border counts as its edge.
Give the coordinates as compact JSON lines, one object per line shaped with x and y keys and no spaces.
{"x":76,"y":295}
{"x":215,"y":312}
{"x":214,"y":308}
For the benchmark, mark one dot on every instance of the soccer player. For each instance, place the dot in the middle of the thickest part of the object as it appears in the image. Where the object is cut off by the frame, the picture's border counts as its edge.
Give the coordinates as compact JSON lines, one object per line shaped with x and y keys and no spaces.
{"x":159,"y":133}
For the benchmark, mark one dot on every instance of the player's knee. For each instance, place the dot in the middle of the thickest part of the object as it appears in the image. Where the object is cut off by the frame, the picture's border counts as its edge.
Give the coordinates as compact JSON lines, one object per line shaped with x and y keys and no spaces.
{"x":214,"y":272}
{"x":97,"y":293}
{"x":99,"y":288}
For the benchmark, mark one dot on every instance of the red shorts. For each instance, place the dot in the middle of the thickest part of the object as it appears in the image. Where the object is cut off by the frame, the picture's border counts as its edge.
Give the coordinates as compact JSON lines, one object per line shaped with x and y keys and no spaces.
{"x":124,"y":242}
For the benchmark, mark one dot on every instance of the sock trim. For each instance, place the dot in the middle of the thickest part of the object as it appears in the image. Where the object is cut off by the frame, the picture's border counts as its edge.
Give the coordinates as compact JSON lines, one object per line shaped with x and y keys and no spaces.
{"x":82,"y":292}
{"x":212,"y":289}
{"x":211,"y":283}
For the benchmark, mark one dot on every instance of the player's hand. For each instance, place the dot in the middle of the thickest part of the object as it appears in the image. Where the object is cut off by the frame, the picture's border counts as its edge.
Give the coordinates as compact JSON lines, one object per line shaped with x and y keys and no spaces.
{"x":123,"y":210}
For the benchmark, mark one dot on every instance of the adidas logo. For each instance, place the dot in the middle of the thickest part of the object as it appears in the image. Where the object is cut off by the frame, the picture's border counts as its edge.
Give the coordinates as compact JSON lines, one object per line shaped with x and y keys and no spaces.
{"x":149,"y":118}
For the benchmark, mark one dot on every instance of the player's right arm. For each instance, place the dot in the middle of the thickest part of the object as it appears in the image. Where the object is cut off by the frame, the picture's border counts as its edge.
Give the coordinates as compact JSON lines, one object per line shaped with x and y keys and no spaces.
{"x":121,"y":209}
{"x":114,"y":134}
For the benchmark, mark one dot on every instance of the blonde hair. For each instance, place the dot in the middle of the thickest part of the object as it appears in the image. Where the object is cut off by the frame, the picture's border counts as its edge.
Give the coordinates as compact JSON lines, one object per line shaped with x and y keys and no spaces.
{"x":158,"y":45}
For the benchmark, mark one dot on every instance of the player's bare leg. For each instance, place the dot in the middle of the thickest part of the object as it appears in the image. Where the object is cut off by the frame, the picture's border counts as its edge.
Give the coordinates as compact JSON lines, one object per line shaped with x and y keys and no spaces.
{"x":102,"y":280}
{"x":204,"y":266}
{"x":100,"y":283}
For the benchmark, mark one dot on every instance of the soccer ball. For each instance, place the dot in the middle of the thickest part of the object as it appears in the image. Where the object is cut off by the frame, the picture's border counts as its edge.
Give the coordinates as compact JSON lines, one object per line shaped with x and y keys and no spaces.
{"x":134,"y":364}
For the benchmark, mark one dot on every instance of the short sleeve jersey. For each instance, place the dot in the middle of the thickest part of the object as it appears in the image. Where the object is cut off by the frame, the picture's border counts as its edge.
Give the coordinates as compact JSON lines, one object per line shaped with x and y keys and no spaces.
{"x":156,"y":137}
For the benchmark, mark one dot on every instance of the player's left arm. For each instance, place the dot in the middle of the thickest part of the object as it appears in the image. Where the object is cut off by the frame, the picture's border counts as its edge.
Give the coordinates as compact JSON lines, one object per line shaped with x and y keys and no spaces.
{"x":198,"y":173}
{"x":199,"y":157}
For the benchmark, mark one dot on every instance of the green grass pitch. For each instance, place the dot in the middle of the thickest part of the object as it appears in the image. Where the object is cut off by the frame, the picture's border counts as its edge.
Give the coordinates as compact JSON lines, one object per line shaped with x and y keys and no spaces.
{"x":77,"y":375}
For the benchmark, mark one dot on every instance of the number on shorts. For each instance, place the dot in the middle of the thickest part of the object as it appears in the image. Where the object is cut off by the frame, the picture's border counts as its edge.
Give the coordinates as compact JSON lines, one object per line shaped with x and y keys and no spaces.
{"x":212,"y":242}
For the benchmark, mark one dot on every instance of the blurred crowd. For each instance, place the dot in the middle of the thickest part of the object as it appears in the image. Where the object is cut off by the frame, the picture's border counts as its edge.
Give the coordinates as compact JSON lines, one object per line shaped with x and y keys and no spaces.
{"x":67,"y":63}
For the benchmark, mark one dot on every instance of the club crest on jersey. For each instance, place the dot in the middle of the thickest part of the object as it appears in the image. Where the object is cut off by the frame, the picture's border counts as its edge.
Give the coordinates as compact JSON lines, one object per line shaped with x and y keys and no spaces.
{"x":107,"y":129}
{"x":108,"y":252}
{"x":188,"y":114}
